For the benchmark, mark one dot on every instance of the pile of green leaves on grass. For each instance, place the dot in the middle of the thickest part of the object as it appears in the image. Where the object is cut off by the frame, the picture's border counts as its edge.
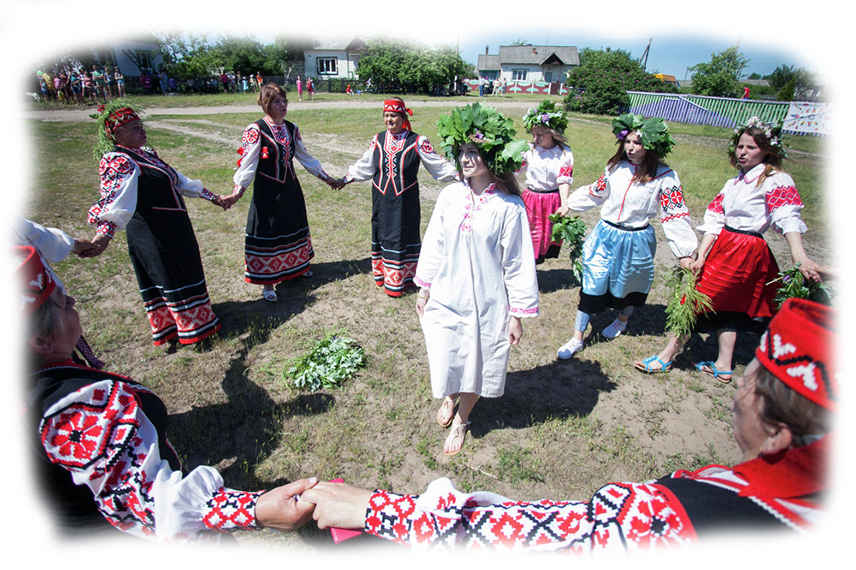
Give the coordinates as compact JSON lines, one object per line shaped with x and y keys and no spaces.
{"x":685,"y":302}
{"x":572,"y":230}
{"x":332,"y":361}
{"x":795,"y":285}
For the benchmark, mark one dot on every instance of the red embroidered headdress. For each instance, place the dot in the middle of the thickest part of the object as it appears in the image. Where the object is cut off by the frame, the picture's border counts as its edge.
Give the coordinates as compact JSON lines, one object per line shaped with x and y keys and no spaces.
{"x":118,"y":118}
{"x":36,"y":280}
{"x":395,"y":106}
{"x":808,"y":347}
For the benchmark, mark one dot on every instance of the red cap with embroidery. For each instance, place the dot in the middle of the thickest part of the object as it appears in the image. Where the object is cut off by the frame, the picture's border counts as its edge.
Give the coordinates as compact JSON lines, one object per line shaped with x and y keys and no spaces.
{"x":37,"y":282}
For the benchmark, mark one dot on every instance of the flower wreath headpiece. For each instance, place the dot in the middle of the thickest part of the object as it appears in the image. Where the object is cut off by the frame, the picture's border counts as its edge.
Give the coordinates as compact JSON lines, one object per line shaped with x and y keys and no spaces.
{"x":545,"y":115}
{"x":773,"y":133}
{"x":109,"y":117}
{"x":654,"y":132}
{"x":489,"y":130}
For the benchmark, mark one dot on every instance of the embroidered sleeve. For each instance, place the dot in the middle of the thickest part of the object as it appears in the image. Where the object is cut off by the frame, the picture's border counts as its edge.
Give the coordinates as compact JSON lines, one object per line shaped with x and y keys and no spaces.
{"x":363,"y":169}
{"x":784,"y":206}
{"x":587,"y":197}
{"x":624,"y":517}
{"x":566,"y":168}
{"x":309,"y":162}
{"x":119,"y":176}
{"x":249,"y":160}
{"x":518,"y":263}
{"x":54,"y":244}
{"x":675,"y":217}
{"x":437,"y":166}
{"x":103,"y":438}
{"x":714,"y":216}
{"x":433,"y":243}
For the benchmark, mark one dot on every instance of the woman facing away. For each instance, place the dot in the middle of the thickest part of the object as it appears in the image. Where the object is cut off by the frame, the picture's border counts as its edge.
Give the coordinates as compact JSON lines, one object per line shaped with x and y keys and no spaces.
{"x":735,"y":266}
{"x":549,"y":168}
{"x":476,"y":273}
{"x":278,"y":244}
{"x":782,"y":421}
{"x":618,"y":255}
{"x":392,"y":163}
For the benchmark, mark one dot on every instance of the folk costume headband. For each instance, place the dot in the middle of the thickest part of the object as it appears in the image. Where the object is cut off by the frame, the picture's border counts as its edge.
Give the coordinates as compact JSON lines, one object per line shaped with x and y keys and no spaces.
{"x":395,"y":106}
{"x":545,"y":115}
{"x":808,"y":347}
{"x":36,"y":280}
{"x":654,"y":132}
{"x":489,"y":130}
{"x":110,"y":117}
{"x":772,"y":132}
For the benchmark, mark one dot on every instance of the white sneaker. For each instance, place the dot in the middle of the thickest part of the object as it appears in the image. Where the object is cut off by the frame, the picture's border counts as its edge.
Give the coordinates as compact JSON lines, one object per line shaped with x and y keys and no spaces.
{"x":615,"y":329}
{"x":569,"y":348}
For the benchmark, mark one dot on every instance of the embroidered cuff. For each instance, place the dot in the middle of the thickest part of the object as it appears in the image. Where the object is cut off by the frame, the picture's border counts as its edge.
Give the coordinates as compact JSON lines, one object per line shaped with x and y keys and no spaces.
{"x":386,"y":515}
{"x":531,"y":312}
{"x":229,"y":510}
{"x":421,"y":284}
{"x":106,"y":228}
{"x":239,"y":190}
{"x":207,"y":194}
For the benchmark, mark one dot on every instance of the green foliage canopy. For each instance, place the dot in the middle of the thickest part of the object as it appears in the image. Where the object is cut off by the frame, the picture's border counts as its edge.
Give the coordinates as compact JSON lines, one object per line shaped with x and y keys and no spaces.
{"x":600,"y":84}
{"x":400,"y":66}
{"x":720,"y":77}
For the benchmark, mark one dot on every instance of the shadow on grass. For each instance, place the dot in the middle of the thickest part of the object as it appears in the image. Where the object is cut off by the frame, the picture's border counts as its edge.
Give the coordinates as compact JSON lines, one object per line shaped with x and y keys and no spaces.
{"x":558,"y":390}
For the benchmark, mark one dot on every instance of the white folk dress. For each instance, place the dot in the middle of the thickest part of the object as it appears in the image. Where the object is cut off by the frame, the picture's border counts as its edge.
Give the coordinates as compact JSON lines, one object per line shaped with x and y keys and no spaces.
{"x":477,"y":263}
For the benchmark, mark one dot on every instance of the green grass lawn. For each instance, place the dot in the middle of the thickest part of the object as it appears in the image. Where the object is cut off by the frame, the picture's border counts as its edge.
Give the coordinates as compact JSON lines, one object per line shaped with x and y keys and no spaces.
{"x":563,"y":428}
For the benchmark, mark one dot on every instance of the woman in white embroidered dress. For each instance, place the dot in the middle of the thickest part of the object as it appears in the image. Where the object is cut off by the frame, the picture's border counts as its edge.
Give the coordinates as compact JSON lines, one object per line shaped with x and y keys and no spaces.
{"x":788,"y":505}
{"x":278,"y":244}
{"x":476,"y":273}
{"x":392,"y":163}
{"x":737,"y":269}
{"x":549,"y":168}
{"x":618,"y":255}
{"x":101,"y":455}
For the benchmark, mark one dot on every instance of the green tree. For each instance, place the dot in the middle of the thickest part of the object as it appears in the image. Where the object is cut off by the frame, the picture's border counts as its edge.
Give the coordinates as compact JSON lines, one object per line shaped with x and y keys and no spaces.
{"x":789,"y":82}
{"x":600,"y":84}
{"x":720,"y":77}
{"x":241,"y":53}
{"x":291,"y":40}
{"x":53,"y":34}
{"x":396,"y":65}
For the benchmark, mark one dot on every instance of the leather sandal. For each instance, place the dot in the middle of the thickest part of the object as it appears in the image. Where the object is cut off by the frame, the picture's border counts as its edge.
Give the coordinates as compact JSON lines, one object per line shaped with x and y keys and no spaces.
{"x":458,"y":432}
{"x":446,"y":413}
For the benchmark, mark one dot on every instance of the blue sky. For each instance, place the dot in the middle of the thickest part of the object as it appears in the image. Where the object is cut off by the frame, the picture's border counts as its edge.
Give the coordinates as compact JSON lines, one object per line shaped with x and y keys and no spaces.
{"x":807,"y":33}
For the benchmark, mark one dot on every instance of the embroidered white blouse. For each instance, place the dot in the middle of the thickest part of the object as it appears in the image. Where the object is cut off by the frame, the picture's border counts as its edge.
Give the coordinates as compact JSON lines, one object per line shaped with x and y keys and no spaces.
{"x":120,"y":175}
{"x":546,"y":169}
{"x":743,"y":204}
{"x":632,"y":205}
{"x":437,"y":166}
{"x":251,"y":151}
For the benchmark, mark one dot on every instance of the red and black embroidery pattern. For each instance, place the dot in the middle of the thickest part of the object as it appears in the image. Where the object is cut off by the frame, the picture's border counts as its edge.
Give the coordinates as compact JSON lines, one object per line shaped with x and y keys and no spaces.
{"x":231,"y":510}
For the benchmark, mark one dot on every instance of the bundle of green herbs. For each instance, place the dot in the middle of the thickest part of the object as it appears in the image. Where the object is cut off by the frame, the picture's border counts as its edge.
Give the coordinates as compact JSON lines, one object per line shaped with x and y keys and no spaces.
{"x":572,"y":230}
{"x":794,"y":284}
{"x":685,"y":301}
{"x":332,"y":361}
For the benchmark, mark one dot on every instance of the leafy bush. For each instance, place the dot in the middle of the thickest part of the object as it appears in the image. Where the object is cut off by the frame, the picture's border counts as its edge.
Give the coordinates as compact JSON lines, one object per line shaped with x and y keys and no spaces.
{"x":600,"y":84}
{"x":332,"y":361}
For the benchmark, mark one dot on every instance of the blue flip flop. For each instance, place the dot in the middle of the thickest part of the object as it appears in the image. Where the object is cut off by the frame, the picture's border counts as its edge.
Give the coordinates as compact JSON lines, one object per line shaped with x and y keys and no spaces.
{"x":712,"y":371}
{"x":665,"y":367}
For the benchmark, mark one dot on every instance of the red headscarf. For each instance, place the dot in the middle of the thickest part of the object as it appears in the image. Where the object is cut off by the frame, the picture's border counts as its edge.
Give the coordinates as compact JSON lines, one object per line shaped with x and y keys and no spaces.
{"x":808,"y":347}
{"x":395,"y":106}
{"x":37,"y":281}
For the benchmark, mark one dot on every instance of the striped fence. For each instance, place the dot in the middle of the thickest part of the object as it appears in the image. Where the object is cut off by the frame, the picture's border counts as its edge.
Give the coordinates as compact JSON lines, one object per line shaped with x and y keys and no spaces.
{"x":701,"y":110}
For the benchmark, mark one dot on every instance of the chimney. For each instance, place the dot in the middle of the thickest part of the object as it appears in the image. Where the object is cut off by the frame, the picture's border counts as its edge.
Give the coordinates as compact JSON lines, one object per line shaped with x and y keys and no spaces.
{"x":534,"y":51}
{"x":485,"y":49}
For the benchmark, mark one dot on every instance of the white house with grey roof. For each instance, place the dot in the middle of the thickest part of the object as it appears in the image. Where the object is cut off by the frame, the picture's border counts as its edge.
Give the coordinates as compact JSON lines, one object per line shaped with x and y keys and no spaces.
{"x":334,"y":59}
{"x":529,"y":64}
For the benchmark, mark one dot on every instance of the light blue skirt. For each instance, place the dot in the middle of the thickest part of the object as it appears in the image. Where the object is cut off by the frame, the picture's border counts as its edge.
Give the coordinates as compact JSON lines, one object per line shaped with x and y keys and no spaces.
{"x":618,"y":263}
